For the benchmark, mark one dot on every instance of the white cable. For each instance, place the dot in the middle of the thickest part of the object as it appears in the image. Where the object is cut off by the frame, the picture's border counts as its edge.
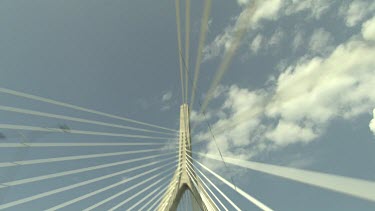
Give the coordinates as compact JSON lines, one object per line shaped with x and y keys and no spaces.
{"x":75,"y":119}
{"x":46,"y":100}
{"x":9,"y":145}
{"x":147,"y":196}
{"x":65,"y":188}
{"x":202,"y":192}
{"x":81,"y":132}
{"x":202,"y":39}
{"x":75,"y":200}
{"x":122,"y":192}
{"x":355,"y":187}
{"x":77,"y":157}
{"x":208,"y":188}
{"x":178,"y":23}
{"x":76,"y":171}
{"x":229,"y":53}
{"x":137,"y":194}
{"x":154,"y":204}
{"x":154,"y":198}
{"x":218,"y":190}
{"x":187,"y":46}
{"x":237,"y":189}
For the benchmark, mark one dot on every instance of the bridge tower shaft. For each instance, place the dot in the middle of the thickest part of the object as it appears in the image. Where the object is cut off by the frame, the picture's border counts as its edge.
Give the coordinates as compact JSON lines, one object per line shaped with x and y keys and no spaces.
{"x":181,"y":180}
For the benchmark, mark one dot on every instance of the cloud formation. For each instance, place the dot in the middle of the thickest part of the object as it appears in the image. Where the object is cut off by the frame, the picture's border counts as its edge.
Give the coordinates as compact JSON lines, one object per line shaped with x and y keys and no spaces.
{"x":300,"y":103}
{"x":237,"y":137}
{"x":372,"y":122}
{"x":313,"y":92}
{"x":315,"y":7}
{"x":368,"y":29}
{"x":260,"y":42}
{"x":356,"y":11}
{"x":276,"y":37}
{"x":298,"y":39}
{"x":256,"y":43}
{"x":167,"y":96}
{"x":166,"y":100}
{"x":253,"y":19}
{"x":248,"y":19}
{"x":320,"y":42}
{"x":289,"y":132}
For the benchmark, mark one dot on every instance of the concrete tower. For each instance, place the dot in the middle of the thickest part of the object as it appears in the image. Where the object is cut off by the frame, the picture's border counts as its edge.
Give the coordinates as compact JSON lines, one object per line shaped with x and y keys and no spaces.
{"x":181,"y":181}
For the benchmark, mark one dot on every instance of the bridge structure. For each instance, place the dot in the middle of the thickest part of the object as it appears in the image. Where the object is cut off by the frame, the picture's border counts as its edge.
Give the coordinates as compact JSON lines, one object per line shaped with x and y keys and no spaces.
{"x":158,"y":169}
{"x":184,"y":178}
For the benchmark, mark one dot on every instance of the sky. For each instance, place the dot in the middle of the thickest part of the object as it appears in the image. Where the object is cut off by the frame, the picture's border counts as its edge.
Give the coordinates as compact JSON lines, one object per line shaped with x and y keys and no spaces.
{"x":298,"y":91}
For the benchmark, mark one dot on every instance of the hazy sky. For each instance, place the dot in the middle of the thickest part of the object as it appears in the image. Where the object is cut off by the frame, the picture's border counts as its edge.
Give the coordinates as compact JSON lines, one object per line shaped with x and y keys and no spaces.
{"x":304,"y":74}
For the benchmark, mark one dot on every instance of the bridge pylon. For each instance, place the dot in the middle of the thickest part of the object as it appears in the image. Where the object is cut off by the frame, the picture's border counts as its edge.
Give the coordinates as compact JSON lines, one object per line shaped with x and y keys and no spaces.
{"x":184,"y":178}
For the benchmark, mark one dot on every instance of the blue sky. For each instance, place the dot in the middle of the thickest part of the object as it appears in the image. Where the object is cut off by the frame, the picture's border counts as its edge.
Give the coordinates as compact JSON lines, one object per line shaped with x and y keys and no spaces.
{"x":300,"y":84}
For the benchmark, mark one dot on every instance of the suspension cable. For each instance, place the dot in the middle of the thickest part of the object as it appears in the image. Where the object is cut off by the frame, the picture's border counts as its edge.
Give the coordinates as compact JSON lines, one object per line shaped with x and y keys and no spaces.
{"x":240,"y":191}
{"x":67,"y":105}
{"x":75,"y":119}
{"x":82,"y":132}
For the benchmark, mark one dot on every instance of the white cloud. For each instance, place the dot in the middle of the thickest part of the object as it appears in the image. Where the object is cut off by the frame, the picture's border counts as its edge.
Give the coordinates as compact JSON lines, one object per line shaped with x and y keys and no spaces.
{"x":372,"y":122}
{"x":287,"y":133}
{"x":279,"y":67}
{"x":276,"y":37}
{"x":321,"y":42}
{"x":316,"y":7}
{"x":304,"y":97}
{"x":260,"y":42}
{"x":266,"y":10}
{"x":215,"y":48}
{"x":319,"y":89}
{"x":252,"y":16}
{"x":195,"y":117}
{"x":298,"y":39}
{"x":167,"y":96}
{"x":256,"y":43}
{"x":356,"y":11}
{"x":313,"y":92}
{"x":242,"y":2}
{"x":368,"y":29}
{"x":303,"y":100}
{"x":249,"y":18}
{"x":241,"y":134}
